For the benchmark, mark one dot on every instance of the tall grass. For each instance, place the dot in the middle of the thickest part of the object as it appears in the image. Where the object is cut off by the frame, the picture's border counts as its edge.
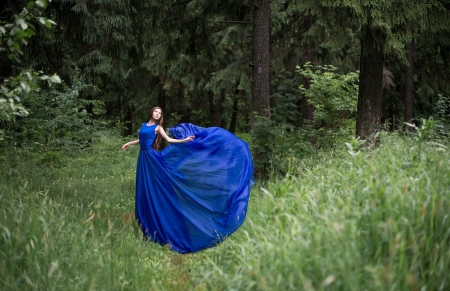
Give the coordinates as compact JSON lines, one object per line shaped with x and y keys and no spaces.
{"x":369,"y":219}
{"x":373,"y":220}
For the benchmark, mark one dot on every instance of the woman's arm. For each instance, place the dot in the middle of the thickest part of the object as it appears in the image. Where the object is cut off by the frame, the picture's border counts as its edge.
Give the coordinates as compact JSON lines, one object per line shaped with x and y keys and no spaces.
{"x":124,"y":147}
{"x":161,"y":131}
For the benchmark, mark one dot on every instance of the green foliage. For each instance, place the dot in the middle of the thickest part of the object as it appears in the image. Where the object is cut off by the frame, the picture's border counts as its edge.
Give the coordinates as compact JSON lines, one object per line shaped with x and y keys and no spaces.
{"x":425,"y":131}
{"x":286,"y":97}
{"x":442,"y":115}
{"x":13,"y":35}
{"x":333,"y":95}
{"x":17,"y":33}
{"x":351,"y":219}
{"x":58,"y":118}
{"x":278,"y":145}
{"x":262,"y":144}
{"x":51,"y":159}
{"x":18,"y":87}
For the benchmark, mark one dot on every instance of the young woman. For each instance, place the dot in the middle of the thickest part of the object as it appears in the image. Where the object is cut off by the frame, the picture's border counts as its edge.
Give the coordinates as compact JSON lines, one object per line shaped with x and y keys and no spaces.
{"x":194,"y":193}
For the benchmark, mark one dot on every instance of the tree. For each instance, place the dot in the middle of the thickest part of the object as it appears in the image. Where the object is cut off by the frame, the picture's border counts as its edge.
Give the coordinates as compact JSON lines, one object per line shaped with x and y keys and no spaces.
{"x":384,"y":28}
{"x":409,"y":84}
{"x":261,"y":32}
{"x":260,"y":76}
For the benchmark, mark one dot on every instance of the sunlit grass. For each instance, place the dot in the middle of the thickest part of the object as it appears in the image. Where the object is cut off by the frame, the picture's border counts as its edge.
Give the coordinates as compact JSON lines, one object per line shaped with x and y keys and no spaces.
{"x":373,"y":220}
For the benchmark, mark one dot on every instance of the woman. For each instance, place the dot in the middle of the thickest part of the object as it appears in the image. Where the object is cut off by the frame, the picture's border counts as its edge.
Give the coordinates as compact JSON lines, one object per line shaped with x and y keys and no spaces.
{"x":194,"y":193}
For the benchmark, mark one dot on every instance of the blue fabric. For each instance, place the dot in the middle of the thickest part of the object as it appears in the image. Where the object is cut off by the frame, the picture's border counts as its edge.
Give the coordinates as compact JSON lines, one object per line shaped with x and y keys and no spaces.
{"x":192,"y":195}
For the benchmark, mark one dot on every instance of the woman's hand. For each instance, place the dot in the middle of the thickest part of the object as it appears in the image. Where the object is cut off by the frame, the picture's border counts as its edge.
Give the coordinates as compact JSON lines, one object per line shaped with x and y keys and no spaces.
{"x":189,"y":138}
{"x":125,"y":146}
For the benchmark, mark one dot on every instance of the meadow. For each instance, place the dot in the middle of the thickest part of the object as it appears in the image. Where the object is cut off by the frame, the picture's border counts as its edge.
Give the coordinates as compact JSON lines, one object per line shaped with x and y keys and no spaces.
{"x":349,"y":219}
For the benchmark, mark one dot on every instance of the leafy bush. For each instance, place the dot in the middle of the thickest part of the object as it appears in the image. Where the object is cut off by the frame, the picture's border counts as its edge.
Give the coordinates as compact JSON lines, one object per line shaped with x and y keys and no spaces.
{"x":281,"y":139}
{"x":334,"y":97}
{"x":13,"y":35}
{"x":286,"y":97}
{"x":57,"y":118}
{"x":442,"y":115}
{"x":278,"y":144}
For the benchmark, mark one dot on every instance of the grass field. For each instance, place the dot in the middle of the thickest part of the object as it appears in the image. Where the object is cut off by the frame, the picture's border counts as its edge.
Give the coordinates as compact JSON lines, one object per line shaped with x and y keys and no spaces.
{"x":370,"y":219}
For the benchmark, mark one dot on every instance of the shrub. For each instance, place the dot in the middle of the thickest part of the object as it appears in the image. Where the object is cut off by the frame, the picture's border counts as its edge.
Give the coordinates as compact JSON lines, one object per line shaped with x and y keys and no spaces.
{"x":57,"y":118}
{"x":442,"y":115}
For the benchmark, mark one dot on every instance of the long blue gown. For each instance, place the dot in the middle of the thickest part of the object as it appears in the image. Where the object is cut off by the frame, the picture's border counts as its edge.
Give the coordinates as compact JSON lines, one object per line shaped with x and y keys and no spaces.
{"x":192,"y":195}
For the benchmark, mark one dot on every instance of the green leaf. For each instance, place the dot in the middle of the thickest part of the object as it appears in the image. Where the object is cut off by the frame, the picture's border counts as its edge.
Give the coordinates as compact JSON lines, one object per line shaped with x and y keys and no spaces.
{"x":13,"y":31}
{"x":55,"y":79}
{"x":30,"y":5}
{"x":41,"y":3}
{"x":24,"y":25}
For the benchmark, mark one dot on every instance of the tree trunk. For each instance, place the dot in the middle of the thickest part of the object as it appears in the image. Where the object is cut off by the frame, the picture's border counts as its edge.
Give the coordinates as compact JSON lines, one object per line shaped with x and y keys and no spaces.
{"x":214,"y":111}
{"x":308,"y":112}
{"x":223,"y":121}
{"x":368,"y":118}
{"x":272,"y":101}
{"x":409,"y":84}
{"x":184,"y":111}
{"x":260,"y":86}
{"x":307,"y":108}
{"x":161,"y":93}
{"x":308,"y":56}
{"x":234,"y":113}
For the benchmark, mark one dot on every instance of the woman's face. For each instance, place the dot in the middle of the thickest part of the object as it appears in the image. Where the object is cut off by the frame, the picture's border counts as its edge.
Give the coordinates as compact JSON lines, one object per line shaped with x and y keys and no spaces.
{"x":156,"y":114}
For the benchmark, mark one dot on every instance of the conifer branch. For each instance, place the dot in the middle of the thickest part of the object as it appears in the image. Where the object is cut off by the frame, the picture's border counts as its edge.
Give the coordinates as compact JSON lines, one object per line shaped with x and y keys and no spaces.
{"x":235,"y":22}
{"x":181,"y":2}
{"x":283,"y":54}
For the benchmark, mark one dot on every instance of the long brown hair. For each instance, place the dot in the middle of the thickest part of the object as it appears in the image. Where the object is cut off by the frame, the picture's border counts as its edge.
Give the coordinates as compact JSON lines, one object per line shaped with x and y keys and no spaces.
{"x":160,"y":122}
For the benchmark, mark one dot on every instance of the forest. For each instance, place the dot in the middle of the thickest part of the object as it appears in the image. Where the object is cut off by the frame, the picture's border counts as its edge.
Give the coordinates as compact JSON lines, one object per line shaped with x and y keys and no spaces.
{"x":345,"y":106}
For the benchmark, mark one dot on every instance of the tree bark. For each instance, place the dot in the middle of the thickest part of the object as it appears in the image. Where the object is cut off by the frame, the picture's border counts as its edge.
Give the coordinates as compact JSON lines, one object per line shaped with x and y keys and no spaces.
{"x":161,"y":93}
{"x":409,"y":84}
{"x":260,"y":74}
{"x":234,"y":113}
{"x":184,"y":111}
{"x":308,"y":56}
{"x":369,"y":108}
{"x":260,"y":85}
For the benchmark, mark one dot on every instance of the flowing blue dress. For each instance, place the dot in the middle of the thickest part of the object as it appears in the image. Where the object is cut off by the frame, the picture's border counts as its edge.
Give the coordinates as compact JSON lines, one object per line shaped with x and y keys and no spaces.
{"x":192,"y":195}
